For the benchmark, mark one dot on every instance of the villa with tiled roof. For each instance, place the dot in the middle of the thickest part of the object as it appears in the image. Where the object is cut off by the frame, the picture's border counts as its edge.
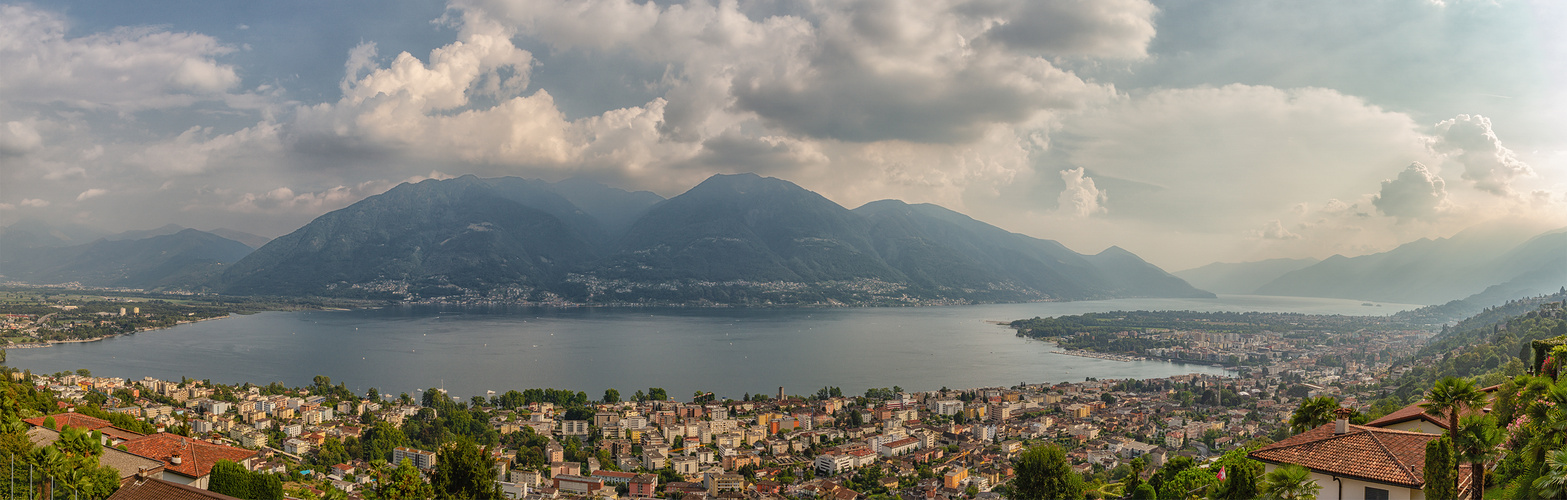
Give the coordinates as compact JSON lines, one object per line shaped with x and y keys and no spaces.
{"x":187,"y":460}
{"x":116,"y":435}
{"x":1355,"y":461}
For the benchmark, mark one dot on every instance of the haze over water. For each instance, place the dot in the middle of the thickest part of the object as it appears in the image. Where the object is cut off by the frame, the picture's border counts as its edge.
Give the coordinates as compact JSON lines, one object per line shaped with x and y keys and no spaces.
{"x":728,"y":351}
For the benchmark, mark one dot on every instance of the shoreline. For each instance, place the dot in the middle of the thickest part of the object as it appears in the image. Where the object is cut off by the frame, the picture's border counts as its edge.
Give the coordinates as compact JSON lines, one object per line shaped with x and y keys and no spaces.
{"x":51,"y":343}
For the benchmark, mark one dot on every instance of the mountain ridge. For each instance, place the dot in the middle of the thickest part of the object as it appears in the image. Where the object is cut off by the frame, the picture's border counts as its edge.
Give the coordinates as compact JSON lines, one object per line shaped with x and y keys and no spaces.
{"x":732,"y":239}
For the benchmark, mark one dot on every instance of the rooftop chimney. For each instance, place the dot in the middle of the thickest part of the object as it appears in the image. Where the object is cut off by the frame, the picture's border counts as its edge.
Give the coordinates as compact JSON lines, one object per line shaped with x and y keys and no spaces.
{"x":175,"y":459}
{"x":1341,"y":425}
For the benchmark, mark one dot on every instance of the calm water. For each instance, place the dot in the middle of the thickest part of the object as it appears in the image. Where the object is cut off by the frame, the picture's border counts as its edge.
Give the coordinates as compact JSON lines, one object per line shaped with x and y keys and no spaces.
{"x":727,"y":351}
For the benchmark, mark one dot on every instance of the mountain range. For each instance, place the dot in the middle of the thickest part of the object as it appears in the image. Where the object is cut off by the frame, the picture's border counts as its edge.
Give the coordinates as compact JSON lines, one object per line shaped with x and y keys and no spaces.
{"x":1489,"y":263}
{"x":733,"y":239}
{"x":165,"y":258}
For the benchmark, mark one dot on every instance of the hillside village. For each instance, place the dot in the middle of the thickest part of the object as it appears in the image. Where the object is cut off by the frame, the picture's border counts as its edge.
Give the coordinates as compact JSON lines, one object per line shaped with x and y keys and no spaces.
{"x":324,"y":441}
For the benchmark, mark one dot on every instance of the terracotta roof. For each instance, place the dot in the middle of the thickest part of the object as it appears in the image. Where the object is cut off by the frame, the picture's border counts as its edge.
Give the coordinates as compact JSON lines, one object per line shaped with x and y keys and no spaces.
{"x":1370,"y":453}
{"x":62,"y":420}
{"x":127,"y":464}
{"x":1415,"y":412}
{"x":146,"y":488}
{"x":196,"y":456}
{"x":80,"y":421}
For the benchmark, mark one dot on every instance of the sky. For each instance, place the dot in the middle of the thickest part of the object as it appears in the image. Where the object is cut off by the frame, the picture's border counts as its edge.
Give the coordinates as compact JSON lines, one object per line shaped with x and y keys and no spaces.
{"x":1184,"y":131}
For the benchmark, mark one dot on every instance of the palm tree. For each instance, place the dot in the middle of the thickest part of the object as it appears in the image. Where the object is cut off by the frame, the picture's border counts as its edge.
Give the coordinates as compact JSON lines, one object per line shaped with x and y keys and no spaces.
{"x":1553,"y":483}
{"x":1313,"y":412}
{"x":1477,"y":441}
{"x":1290,"y":482}
{"x":1449,"y":396}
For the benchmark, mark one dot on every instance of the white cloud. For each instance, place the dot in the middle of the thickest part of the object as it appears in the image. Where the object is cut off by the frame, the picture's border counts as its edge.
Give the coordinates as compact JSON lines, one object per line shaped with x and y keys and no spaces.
{"x":18,"y":138}
{"x":1488,"y":165}
{"x":1226,"y":159}
{"x":195,"y":150}
{"x":127,"y":68}
{"x":1080,"y":197}
{"x":285,"y":200}
{"x":1274,"y":230}
{"x":1415,"y":193}
{"x":860,"y":71}
{"x":1102,"y":28}
{"x":34,"y":203}
{"x":91,"y":193}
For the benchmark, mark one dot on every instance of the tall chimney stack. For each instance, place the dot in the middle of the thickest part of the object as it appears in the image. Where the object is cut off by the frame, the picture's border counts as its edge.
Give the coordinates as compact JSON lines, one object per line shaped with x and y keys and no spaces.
{"x":1341,"y":424}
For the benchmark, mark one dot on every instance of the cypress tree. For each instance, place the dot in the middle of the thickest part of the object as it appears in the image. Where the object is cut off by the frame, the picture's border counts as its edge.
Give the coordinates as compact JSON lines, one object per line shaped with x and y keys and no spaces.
{"x":1440,"y":480}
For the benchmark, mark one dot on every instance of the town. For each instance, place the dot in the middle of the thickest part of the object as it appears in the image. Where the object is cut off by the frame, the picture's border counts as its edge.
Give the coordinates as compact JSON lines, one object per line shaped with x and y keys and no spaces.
{"x":326,"y":441}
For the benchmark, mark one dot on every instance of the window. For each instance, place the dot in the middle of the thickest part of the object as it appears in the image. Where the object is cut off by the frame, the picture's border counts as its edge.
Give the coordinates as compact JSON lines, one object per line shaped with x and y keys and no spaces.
{"x":1375,"y":493}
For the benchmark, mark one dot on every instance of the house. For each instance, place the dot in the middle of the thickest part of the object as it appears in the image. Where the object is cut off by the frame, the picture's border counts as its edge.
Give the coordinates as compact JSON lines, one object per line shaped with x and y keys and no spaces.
{"x":643,"y":485}
{"x":724,"y":482}
{"x":150,"y":488}
{"x":1355,"y":461}
{"x":577,"y":484}
{"x":296,"y":446}
{"x":186,"y":460}
{"x":113,"y":435}
{"x":125,"y":463}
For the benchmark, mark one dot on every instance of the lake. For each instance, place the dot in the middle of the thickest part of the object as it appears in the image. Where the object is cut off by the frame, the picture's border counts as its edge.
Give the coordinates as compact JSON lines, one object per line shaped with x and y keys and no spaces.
{"x":728,"y":351}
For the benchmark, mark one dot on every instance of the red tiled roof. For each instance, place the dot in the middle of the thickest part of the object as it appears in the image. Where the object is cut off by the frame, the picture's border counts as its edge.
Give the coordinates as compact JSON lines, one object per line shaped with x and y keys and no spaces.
{"x":139,"y":488}
{"x":77,"y":420}
{"x":1414,"y":412}
{"x":1369,"y":453}
{"x":196,"y":456}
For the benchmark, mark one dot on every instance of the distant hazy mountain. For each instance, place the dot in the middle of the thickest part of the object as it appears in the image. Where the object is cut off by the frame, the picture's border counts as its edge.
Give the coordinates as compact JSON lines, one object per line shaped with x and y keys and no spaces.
{"x":1240,"y":277}
{"x":731,"y":239}
{"x":615,"y":209}
{"x":250,"y":240}
{"x":185,"y":259}
{"x":1436,"y":271}
{"x":167,"y":229}
{"x":33,"y":233}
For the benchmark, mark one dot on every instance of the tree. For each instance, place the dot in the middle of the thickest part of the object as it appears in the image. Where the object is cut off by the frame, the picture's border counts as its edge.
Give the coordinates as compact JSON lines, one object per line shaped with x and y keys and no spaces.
{"x":1478,"y":439}
{"x":611,"y":396}
{"x":1187,"y":483}
{"x":233,"y":479}
{"x":1293,"y":482}
{"x":1043,"y":473}
{"x":1240,"y":476}
{"x":1553,"y":483}
{"x":1439,"y":471}
{"x":1144,"y":491}
{"x":1312,"y":413}
{"x":463,"y":470}
{"x":400,"y":483}
{"x":1448,"y":397}
{"x":657,"y":394}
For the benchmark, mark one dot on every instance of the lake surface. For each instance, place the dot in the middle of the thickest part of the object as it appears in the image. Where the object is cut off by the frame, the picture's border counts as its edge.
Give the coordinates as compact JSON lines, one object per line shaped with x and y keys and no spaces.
{"x":728,"y":351}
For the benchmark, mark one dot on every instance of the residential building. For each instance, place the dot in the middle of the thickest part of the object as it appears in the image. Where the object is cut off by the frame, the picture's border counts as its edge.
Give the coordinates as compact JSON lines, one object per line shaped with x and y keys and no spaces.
{"x":421,"y":459}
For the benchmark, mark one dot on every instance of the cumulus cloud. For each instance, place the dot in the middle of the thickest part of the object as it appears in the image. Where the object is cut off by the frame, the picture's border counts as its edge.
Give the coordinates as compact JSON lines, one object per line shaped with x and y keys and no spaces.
{"x":1415,"y":193}
{"x":859,"y":71}
{"x":91,"y":193}
{"x":1080,"y":197}
{"x":1176,"y":156}
{"x":1274,"y":230}
{"x":127,"y":68}
{"x":285,"y":200}
{"x":1488,"y":166}
{"x":196,"y":149}
{"x":18,"y":138}
{"x":1104,"y":28}
{"x":34,"y":203}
